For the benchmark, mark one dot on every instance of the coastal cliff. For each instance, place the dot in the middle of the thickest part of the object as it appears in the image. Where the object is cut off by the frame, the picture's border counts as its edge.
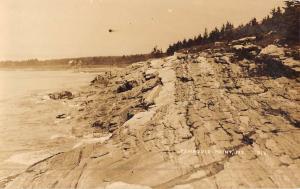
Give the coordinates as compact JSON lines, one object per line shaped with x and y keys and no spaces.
{"x":223,"y":117}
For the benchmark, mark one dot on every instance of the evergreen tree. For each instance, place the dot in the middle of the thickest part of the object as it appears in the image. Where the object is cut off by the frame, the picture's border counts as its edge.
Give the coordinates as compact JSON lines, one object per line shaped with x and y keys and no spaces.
{"x":285,"y":22}
{"x":205,"y":36}
{"x":254,"y":22}
{"x":292,"y":20}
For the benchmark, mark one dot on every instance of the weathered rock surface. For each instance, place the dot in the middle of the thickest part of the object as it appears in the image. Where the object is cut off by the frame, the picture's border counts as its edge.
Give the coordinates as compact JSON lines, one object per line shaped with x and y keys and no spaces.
{"x":61,"y":95}
{"x":246,"y":51}
{"x":272,"y":51}
{"x":244,"y":40}
{"x":185,"y":121}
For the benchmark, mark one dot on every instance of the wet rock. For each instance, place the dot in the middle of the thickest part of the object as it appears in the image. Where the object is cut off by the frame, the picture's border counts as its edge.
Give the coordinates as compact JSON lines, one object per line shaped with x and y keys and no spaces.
{"x":101,"y":79}
{"x":61,"y":95}
{"x":126,"y":86}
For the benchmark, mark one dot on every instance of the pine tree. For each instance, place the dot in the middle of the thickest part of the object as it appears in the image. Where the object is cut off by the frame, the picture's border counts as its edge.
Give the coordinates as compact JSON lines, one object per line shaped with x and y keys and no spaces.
{"x":199,"y":40}
{"x":279,"y":12}
{"x":254,"y":22}
{"x":205,"y":36}
{"x":285,"y":23}
{"x":292,"y":20}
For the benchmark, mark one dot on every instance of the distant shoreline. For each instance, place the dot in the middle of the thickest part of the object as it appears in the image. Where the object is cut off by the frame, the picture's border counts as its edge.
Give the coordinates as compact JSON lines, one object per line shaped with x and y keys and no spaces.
{"x":76,"y":63}
{"x":41,"y":67}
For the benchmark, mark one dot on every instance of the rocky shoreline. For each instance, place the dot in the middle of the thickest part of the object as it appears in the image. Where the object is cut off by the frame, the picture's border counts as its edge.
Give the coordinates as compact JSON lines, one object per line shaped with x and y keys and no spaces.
{"x":225,"y":117}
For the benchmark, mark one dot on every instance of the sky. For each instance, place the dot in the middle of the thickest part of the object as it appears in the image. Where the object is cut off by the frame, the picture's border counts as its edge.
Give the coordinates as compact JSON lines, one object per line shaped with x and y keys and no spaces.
{"x":46,"y":29}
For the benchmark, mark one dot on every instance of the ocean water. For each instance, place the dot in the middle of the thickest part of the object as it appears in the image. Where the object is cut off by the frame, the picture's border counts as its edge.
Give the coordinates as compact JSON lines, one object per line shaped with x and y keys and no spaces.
{"x":26,"y":120}
{"x":21,"y":83}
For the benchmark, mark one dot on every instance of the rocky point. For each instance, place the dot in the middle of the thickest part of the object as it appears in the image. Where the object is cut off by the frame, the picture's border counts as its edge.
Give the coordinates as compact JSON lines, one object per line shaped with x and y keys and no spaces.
{"x":224,"y":117}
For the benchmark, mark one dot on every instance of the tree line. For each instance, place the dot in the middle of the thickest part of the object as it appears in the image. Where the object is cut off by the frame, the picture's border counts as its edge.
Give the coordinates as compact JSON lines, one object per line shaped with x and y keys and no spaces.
{"x":284,"y":22}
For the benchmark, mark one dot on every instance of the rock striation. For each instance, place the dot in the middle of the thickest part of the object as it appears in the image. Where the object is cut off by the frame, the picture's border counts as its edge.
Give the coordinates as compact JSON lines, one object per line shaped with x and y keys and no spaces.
{"x":203,"y":120}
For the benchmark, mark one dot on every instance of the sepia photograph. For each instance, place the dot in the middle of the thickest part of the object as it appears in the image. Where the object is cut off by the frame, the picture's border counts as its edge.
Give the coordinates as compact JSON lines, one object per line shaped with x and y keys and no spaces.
{"x":149,"y":94}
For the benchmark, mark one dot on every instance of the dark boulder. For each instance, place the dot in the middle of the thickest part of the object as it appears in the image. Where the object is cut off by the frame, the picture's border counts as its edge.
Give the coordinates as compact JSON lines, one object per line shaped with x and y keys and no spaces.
{"x":246,"y":51}
{"x":126,"y":86}
{"x":61,"y":95}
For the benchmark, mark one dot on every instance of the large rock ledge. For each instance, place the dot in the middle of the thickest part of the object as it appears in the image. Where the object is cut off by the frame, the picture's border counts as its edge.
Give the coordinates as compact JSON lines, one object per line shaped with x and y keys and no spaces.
{"x":203,"y":120}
